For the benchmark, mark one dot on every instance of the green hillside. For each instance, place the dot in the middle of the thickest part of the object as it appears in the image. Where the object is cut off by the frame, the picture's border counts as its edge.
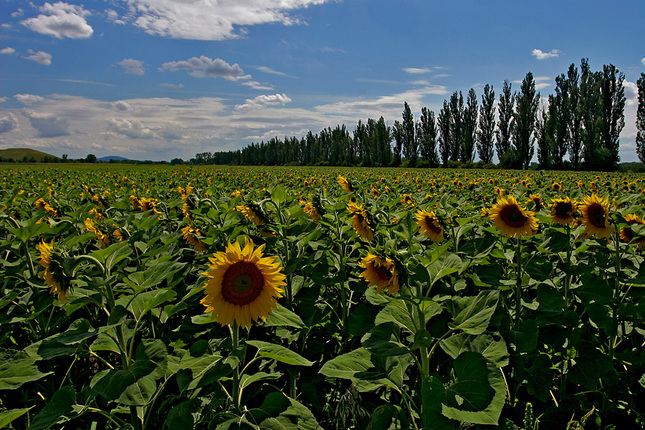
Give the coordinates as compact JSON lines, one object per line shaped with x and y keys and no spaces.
{"x":19,"y":154}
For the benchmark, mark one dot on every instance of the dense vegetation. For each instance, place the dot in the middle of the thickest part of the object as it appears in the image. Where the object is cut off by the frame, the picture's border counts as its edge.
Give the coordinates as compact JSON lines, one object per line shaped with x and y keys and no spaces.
{"x":425,"y":298}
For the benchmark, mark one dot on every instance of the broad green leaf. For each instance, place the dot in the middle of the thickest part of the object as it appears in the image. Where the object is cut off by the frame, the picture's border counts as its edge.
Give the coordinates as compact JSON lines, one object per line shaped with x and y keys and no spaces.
{"x":7,"y":417}
{"x":346,"y":365}
{"x":246,"y":380}
{"x":181,"y":416}
{"x":17,"y":368}
{"x":433,"y":397}
{"x":283,"y":317}
{"x":153,"y":275}
{"x":279,"y":353}
{"x":491,"y":346}
{"x":279,"y":412}
{"x":113,"y":254}
{"x":382,"y":417}
{"x":62,"y":344}
{"x":149,"y":300}
{"x":446,"y":264}
{"x":475,"y":317}
{"x":279,"y":195}
{"x":59,"y":406}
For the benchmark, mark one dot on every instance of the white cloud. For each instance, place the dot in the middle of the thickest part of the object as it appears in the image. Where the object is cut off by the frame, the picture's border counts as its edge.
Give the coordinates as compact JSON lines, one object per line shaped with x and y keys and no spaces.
{"x":631,"y":93}
{"x":40,"y":57}
{"x":258,"y":86}
{"x":204,"y":66}
{"x":133,"y":67}
{"x":211,"y":20}
{"x":7,"y":51}
{"x":264,"y":101}
{"x":643,"y":61}
{"x":541,"y":55}
{"x":271,"y":71}
{"x":29,"y":99}
{"x":48,"y":126}
{"x":168,"y":85}
{"x":122,"y":106}
{"x":130,"y":128}
{"x":61,"y":20}
{"x":416,"y":70}
{"x":8,"y":123}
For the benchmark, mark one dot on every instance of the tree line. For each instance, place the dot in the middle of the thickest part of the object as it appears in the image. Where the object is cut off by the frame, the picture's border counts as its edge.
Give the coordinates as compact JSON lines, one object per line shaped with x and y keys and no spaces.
{"x":578,"y":127}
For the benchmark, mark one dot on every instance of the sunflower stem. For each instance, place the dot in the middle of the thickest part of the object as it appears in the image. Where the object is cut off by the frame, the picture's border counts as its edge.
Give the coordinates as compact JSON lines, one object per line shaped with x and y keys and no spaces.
{"x":567,"y":276}
{"x":518,"y":291}
{"x":235,"y":339}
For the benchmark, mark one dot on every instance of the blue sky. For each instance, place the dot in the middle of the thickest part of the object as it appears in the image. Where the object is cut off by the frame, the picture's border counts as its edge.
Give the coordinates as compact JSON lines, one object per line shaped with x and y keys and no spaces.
{"x":160,"y":79}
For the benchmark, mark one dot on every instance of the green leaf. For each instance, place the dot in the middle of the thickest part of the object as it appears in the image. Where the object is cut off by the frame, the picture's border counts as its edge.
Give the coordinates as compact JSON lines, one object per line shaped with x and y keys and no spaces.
{"x":433,"y":397}
{"x":112,"y":255}
{"x":62,"y":344}
{"x":283,"y":317}
{"x":549,"y":299}
{"x":246,"y":380}
{"x":491,"y":346}
{"x":279,"y":412}
{"x":279,"y":195}
{"x":361,"y":319}
{"x":279,"y":353}
{"x":346,"y":365}
{"x":382,"y":417}
{"x":7,"y":417}
{"x":59,"y":406}
{"x":447,"y":264}
{"x":539,"y":267}
{"x":181,"y":416}
{"x":475,"y":317}
{"x":149,"y":300}
{"x":17,"y":368}
{"x":153,"y":276}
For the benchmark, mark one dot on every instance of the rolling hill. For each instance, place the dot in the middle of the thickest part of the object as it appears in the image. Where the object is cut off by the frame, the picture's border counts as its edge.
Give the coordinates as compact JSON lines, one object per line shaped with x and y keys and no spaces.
{"x":20,"y":154}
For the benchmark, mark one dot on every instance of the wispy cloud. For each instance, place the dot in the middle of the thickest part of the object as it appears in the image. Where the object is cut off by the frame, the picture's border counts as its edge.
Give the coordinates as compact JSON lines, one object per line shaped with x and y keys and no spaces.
{"x":269,"y":70}
{"x":416,"y":70}
{"x":7,"y":51}
{"x":541,"y":55}
{"x":61,"y":20}
{"x":39,"y":57}
{"x":204,"y":66}
{"x":131,"y":66}
{"x":263,"y":101}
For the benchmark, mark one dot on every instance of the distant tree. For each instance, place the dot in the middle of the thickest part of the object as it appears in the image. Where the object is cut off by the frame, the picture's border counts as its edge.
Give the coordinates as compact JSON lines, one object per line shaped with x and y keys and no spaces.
{"x":469,"y":128}
{"x":612,"y":120}
{"x":575,"y":120}
{"x":559,"y":121}
{"x":176,"y":161}
{"x":524,"y":121}
{"x":444,"y":121}
{"x":410,"y":148}
{"x":589,"y":111}
{"x":427,"y":137}
{"x":91,"y":158}
{"x":65,"y":157}
{"x":382,"y":134}
{"x":399,"y":135}
{"x":640,"y":119}
{"x":505,"y":122}
{"x":486,"y":129}
{"x":456,"y":124}
{"x":543,"y":132}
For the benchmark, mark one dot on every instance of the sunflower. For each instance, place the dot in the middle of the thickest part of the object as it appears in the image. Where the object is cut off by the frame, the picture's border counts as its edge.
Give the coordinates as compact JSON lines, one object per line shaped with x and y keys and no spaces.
{"x":595,"y":216}
{"x":361,"y":221}
{"x":407,"y":201}
{"x":253,"y":213}
{"x":537,"y":200}
{"x":343,"y":182}
{"x":511,"y":219}
{"x":562,"y":211}
{"x":43,"y":205}
{"x":53,"y":274}
{"x":380,"y":272}
{"x":191,"y":236}
{"x":430,"y":225}
{"x":627,"y":234}
{"x":102,"y":238}
{"x":243,"y":285}
{"x":310,"y":209}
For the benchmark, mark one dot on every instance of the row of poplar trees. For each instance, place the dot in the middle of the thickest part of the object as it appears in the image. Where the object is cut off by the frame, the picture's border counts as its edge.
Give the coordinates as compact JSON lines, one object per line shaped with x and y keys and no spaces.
{"x":578,"y":127}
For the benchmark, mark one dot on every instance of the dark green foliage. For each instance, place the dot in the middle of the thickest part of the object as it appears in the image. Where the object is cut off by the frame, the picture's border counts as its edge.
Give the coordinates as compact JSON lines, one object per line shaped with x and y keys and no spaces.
{"x":486,"y":131}
{"x":444,"y":133}
{"x":427,"y":137}
{"x":467,"y":150}
{"x":524,"y":121}
{"x":640,"y":119}
{"x":505,"y":122}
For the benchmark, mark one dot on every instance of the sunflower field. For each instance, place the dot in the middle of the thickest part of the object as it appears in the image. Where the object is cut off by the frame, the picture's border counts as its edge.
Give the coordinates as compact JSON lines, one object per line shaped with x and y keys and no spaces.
{"x":158,"y":297}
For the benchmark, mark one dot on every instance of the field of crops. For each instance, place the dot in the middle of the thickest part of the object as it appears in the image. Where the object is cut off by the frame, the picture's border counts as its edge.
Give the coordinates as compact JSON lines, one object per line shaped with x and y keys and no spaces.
{"x":301,"y":298}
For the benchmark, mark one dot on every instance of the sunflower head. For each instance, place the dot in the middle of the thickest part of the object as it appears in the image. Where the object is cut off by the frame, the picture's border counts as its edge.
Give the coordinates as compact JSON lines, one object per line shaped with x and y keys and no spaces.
{"x":536,"y":199}
{"x":563,"y":211}
{"x":243,"y":284}
{"x":627,"y":234}
{"x":380,"y":272}
{"x":51,"y":259}
{"x":407,"y":200}
{"x":253,"y":212}
{"x":361,"y":221}
{"x":430,"y":225}
{"x":511,"y":219}
{"x":595,"y":216}
{"x":345,"y":184}
{"x":192,"y":237}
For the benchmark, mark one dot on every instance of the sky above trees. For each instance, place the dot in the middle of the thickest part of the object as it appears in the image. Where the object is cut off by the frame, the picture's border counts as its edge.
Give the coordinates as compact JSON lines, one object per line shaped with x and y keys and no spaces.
{"x":161,"y":79}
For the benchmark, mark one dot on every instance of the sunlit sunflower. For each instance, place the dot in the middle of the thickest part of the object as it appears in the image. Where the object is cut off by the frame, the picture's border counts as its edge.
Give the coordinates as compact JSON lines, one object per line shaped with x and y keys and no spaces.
{"x":627,"y":234}
{"x":407,"y":200}
{"x":361,"y":221}
{"x":243,"y":285}
{"x":556,"y":186}
{"x":537,"y":201}
{"x":253,"y":213}
{"x":310,"y":209}
{"x":53,"y":274}
{"x":43,"y":205}
{"x":595,"y":216}
{"x":380,"y":272}
{"x":191,"y":236}
{"x":430,"y":225}
{"x":563,"y":211}
{"x":343,"y":182}
{"x":511,"y":219}
{"x":102,"y":238}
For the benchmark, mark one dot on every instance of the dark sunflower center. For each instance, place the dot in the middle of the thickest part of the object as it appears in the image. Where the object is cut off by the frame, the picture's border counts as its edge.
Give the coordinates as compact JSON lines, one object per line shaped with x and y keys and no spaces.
{"x":563,"y":210}
{"x":512,"y":216}
{"x":596,"y":215}
{"x":431,"y":225}
{"x":242,"y":284}
{"x":383,"y":273}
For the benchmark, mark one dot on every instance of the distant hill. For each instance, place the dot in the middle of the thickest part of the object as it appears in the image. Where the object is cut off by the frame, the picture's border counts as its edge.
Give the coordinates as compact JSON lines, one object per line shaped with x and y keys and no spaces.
{"x":112,"y":157}
{"x":20,"y":154}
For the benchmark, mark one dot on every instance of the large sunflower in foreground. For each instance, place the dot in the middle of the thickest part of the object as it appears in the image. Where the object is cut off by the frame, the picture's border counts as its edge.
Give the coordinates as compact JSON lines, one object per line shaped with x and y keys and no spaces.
{"x":511,"y":219}
{"x":563,"y":210}
{"x":361,"y":221}
{"x":430,"y":225}
{"x":243,"y":284}
{"x":53,"y":274}
{"x":380,"y":272}
{"x":595,"y":216}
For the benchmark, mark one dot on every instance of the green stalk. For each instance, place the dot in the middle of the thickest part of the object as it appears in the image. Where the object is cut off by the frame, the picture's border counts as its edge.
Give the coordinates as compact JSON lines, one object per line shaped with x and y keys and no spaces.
{"x":518,"y":291}
{"x":567,"y":276}
{"x":235,"y":338}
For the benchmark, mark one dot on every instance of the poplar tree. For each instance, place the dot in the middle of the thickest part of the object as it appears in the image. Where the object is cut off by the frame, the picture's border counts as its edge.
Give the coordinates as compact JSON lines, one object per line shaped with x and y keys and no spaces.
{"x":469,"y":128}
{"x":543,"y":132}
{"x":505,"y":122}
{"x":640,"y":119}
{"x":398,"y":134}
{"x":575,"y":119}
{"x":524,"y":121}
{"x":612,"y":122}
{"x":408,"y":141}
{"x":427,"y":137}
{"x":444,"y":126}
{"x":486,"y":129}
{"x":559,"y":121}
{"x":456,"y":125}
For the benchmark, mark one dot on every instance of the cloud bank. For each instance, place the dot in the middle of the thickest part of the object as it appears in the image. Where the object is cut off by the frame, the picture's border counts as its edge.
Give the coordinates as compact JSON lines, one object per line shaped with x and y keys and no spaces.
{"x":60,"y":20}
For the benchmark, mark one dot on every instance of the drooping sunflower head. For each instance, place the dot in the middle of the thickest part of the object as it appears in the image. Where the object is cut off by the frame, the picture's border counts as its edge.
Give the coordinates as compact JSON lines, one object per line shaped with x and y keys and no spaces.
{"x":536,"y":199}
{"x":253,"y":213}
{"x":102,"y":238}
{"x":380,"y":272}
{"x":361,"y":221}
{"x":511,"y":219}
{"x":407,"y":200}
{"x":563,"y":211}
{"x":627,"y":234}
{"x":51,"y":259}
{"x":192,"y":237}
{"x":595,"y":216}
{"x":344,"y":182}
{"x":311,"y":210}
{"x":43,"y":205}
{"x":243,"y":285}
{"x":430,"y":225}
